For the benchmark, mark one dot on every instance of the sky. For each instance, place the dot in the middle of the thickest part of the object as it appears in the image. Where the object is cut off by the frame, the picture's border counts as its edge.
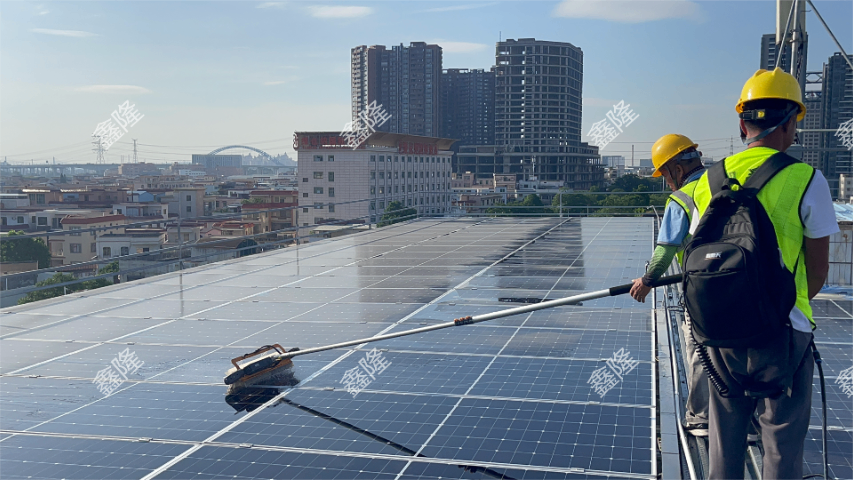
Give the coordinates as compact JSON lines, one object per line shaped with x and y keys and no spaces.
{"x":211,"y":74}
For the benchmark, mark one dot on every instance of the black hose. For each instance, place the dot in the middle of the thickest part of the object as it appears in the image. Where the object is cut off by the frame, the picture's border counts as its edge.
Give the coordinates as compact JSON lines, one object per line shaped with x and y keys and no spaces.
{"x":819,"y":362}
{"x":713,"y":374}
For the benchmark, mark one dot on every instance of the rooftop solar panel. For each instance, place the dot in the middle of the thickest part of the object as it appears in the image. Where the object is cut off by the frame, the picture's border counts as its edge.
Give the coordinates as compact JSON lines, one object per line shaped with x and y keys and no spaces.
{"x":511,"y":397}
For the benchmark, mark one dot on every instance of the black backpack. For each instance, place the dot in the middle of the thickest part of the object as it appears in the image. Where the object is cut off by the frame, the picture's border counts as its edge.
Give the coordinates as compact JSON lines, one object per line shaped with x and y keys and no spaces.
{"x":737,"y":289}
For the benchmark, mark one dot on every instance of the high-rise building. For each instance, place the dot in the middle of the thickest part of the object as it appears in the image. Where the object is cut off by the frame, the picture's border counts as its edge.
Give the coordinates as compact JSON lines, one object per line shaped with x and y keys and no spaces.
{"x":837,"y":96}
{"x":406,"y":81}
{"x":811,"y":141}
{"x":468,"y":106}
{"x":538,"y":87}
{"x":769,"y":53}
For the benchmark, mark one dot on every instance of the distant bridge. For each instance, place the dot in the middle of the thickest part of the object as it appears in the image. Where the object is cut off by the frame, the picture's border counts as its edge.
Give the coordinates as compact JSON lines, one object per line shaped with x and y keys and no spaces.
{"x":256,"y":150}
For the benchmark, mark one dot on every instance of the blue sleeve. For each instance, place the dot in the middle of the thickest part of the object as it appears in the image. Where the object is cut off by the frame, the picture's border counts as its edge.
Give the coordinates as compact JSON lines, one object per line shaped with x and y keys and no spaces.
{"x":674,"y":226}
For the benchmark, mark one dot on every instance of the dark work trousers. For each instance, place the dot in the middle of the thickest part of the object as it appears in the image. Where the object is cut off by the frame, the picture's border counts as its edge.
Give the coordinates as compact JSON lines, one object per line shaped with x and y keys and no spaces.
{"x":697,"y":381}
{"x":784,"y":420}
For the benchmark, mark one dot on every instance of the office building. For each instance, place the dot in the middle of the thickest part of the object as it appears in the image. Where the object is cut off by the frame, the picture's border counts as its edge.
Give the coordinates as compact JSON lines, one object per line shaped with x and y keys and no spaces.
{"x":468,"y":106}
{"x":837,"y":95}
{"x":811,"y":141}
{"x":345,"y":185}
{"x":406,"y":81}
{"x":769,"y":51}
{"x":538,"y":89}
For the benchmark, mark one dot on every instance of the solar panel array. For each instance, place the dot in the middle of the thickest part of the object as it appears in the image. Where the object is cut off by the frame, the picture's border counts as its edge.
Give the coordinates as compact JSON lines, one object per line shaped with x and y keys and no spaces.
{"x":509,"y":398}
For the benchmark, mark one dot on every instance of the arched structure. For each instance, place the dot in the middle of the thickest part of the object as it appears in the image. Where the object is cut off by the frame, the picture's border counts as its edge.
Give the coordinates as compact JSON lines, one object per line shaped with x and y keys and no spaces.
{"x":256,"y":150}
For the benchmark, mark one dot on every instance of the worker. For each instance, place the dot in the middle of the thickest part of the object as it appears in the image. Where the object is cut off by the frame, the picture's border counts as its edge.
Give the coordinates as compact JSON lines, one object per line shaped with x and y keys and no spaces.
{"x":677,"y":159}
{"x":799,"y":204}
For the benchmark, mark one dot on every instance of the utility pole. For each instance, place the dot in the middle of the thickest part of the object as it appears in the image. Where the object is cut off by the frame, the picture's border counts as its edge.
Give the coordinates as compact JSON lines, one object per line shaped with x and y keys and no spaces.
{"x":632,"y":155}
{"x":135,"y":160}
{"x":731,"y":145}
{"x":98,"y":148}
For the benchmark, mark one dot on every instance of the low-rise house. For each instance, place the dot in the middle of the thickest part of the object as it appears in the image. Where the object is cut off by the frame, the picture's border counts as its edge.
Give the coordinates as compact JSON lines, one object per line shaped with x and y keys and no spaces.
{"x":133,"y":240}
{"x":71,"y":247}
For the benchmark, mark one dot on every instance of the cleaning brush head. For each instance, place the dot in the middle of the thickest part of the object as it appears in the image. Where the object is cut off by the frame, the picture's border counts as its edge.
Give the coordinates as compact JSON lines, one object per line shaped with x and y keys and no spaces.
{"x":264,"y":360}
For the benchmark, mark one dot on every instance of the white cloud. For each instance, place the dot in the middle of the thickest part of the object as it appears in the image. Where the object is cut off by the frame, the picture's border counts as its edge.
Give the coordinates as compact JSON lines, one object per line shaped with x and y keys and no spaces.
{"x":335,"y":11}
{"x":628,"y":11}
{"x":41,"y":10}
{"x":459,"y":7}
{"x":64,"y":33}
{"x":460,"y":47}
{"x":108,"y":89}
{"x":272,"y":5}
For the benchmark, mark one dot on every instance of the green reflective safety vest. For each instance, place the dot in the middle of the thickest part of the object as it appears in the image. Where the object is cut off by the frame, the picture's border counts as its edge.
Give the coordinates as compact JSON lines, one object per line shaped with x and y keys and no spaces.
{"x":781,"y":198}
{"x":684,"y":198}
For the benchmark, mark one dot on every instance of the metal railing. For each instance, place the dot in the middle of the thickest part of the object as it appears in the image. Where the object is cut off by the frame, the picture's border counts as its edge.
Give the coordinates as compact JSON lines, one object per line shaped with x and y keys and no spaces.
{"x":174,"y":257}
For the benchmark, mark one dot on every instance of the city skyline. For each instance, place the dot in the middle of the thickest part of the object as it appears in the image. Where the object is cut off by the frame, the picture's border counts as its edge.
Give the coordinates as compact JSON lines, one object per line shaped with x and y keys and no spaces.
{"x":207,"y":77}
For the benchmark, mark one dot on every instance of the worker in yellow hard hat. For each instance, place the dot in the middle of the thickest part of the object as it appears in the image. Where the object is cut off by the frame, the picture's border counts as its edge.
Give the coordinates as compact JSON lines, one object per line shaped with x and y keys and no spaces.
{"x":678,"y":161}
{"x":771,"y":377}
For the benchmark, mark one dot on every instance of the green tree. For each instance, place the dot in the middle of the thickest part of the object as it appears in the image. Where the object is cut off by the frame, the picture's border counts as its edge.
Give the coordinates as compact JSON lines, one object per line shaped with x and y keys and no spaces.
{"x":52,"y":292}
{"x":24,"y":249}
{"x":634,"y":183}
{"x":396,"y":212}
{"x":112,"y":267}
{"x":252,"y":200}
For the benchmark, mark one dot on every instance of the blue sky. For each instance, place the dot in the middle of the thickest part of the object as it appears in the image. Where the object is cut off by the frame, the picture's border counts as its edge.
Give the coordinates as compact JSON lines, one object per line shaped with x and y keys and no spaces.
{"x":210,"y":74}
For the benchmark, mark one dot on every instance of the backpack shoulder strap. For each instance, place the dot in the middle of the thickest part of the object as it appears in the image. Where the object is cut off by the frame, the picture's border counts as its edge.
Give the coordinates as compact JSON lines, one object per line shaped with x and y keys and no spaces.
{"x":764,"y":173}
{"x":717,"y":176}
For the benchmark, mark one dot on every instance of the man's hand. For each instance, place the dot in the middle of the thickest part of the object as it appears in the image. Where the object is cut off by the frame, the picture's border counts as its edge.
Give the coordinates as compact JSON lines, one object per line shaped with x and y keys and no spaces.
{"x":639,"y":291}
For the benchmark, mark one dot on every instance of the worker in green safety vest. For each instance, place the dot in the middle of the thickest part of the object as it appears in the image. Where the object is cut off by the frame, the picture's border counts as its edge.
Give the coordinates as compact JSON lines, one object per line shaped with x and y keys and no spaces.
{"x":676,"y":159}
{"x":799,"y":204}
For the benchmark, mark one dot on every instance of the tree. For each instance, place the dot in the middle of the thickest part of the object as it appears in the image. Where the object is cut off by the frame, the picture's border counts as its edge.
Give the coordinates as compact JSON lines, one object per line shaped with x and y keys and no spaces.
{"x":59,"y":277}
{"x":52,"y":292}
{"x":396,"y":212}
{"x":112,"y":267}
{"x":24,"y":249}
{"x":252,"y":200}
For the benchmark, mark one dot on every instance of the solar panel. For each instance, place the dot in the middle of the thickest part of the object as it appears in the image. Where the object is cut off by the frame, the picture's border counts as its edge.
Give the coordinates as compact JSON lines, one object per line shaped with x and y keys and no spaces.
{"x":511,"y":397}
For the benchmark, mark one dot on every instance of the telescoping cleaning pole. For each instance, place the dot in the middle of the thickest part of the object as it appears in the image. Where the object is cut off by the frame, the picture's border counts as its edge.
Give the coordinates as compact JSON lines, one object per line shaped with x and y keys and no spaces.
{"x":609,"y":292}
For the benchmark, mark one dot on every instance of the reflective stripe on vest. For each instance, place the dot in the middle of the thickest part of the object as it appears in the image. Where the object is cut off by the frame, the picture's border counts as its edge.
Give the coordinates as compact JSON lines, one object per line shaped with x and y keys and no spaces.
{"x":781,"y":199}
{"x":684,"y":198}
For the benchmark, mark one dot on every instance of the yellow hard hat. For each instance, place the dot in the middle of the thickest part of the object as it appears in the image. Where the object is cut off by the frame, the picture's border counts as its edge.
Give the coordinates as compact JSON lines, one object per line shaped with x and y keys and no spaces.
{"x":776,"y":84}
{"x":667,"y":147}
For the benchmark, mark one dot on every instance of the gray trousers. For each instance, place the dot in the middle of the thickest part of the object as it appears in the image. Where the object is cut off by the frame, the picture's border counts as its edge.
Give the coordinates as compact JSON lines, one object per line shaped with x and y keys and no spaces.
{"x":697,"y":380}
{"x":784,"y":420}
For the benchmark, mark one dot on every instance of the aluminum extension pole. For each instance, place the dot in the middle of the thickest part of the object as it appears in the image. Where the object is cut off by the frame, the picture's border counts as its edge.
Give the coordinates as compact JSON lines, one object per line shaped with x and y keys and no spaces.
{"x":609,"y":292}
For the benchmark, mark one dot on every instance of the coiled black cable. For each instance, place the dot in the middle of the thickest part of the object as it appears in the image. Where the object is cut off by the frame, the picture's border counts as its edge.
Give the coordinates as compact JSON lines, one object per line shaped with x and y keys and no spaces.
{"x":713,"y":374}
